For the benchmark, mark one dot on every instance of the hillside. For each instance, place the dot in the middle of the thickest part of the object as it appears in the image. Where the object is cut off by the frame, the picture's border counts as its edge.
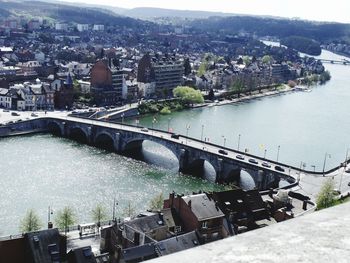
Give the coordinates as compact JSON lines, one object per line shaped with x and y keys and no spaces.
{"x":280,"y":28}
{"x":77,"y":14}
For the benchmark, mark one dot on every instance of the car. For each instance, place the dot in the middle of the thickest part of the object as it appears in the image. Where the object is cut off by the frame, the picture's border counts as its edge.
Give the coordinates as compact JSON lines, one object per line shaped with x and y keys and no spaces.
{"x":10,"y":122}
{"x":5,"y":110}
{"x":144,"y":129}
{"x":347,"y":170}
{"x":251,"y":160}
{"x":15,"y":114}
{"x":265,"y":164}
{"x":240,"y":157}
{"x":19,"y":120}
{"x":34,"y":115}
{"x":279,"y":168}
{"x":222,"y":152}
{"x":175,"y":136}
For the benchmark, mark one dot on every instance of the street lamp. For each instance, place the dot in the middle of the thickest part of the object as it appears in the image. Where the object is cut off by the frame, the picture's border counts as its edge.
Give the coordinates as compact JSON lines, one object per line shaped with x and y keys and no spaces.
{"x":187,"y":128}
{"x":169,"y":119}
{"x":265,"y":153}
{"x":239,"y":141}
{"x":302,"y":165}
{"x":345,"y":164}
{"x":202,"y":132}
{"x":314,"y":166}
{"x":278,"y":152}
{"x":224,"y":140}
{"x":324,"y":162}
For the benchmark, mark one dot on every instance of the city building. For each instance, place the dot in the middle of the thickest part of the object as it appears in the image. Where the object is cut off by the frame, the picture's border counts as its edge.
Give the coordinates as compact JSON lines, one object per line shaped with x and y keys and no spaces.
{"x":82,"y":27}
{"x":159,"y":75}
{"x":106,"y":83}
{"x":98,"y":28}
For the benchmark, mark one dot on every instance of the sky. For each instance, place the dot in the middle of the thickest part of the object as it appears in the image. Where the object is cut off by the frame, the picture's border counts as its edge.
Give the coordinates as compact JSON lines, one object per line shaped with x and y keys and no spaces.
{"x":318,"y":10}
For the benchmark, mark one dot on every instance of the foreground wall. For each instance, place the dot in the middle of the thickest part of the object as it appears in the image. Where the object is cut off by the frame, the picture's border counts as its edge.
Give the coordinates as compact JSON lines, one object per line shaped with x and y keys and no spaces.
{"x":323,"y":236}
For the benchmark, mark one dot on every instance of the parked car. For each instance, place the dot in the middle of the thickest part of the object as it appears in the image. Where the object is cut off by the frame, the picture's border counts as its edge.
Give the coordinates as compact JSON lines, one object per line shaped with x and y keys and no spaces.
{"x":240,"y":157}
{"x":222,"y":152}
{"x":34,"y":115}
{"x":15,"y":114}
{"x":5,"y":110}
{"x":144,"y":129}
{"x":347,"y":171}
{"x":175,"y":136}
{"x":265,"y":164}
{"x":279,"y":168}
{"x":251,"y":160}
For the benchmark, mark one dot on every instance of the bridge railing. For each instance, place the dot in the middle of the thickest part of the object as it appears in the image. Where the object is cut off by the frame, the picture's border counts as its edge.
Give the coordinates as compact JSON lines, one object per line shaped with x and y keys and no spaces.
{"x":249,"y":155}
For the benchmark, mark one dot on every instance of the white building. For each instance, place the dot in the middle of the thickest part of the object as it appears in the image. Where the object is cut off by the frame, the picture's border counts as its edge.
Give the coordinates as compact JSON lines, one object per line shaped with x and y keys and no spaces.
{"x":98,"y":28}
{"x":85,"y":86}
{"x":82,"y":27}
{"x":61,"y":26}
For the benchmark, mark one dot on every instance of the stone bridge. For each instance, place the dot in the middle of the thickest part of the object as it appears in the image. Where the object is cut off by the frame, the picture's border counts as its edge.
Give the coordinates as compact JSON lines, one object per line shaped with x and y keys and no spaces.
{"x":191,"y":153}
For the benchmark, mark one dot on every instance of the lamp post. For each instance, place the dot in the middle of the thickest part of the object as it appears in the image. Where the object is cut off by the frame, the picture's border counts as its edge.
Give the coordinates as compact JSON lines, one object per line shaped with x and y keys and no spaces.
{"x":202,"y":132}
{"x":169,"y":119}
{"x":302,"y":165}
{"x":239,"y":141}
{"x":314,"y":166}
{"x":224,"y":140}
{"x":49,"y":213}
{"x":324,"y":162}
{"x":265,"y":153}
{"x":278,"y":152}
{"x":345,"y":164}
{"x":187,"y":128}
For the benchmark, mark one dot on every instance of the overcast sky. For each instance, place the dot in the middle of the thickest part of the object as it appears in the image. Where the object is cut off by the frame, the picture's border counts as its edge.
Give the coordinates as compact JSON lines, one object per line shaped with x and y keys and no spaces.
{"x":320,"y":10}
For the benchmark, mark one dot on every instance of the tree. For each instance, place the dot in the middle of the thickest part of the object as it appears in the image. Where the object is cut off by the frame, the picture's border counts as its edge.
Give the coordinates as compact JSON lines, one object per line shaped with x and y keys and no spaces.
{"x":30,"y":222}
{"x":157,"y":202}
{"x":129,"y":211}
{"x":326,"y":196}
{"x":211,"y":95}
{"x":187,"y":66}
{"x":65,"y":218}
{"x":188,"y":95}
{"x":98,"y":214}
{"x":266,"y":59}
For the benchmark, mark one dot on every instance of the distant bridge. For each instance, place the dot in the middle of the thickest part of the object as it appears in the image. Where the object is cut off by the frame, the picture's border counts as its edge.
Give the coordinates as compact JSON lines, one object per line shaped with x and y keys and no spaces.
{"x":342,"y":62}
{"x":191,"y":153}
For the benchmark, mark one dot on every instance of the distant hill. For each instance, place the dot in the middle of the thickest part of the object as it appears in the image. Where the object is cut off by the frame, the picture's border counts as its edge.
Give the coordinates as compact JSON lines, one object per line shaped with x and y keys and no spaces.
{"x":150,"y":12}
{"x":280,"y":28}
{"x":63,"y":12}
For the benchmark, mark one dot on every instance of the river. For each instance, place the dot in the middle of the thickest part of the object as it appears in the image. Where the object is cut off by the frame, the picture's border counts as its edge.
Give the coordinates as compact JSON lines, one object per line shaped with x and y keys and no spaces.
{"x":43,"y":170}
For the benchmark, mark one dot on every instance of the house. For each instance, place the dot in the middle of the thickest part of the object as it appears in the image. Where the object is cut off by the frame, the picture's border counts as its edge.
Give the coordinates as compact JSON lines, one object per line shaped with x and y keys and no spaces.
{"x":63,"y":97}
{"x":81,"y":255}
{"x":45,"y":246}
{"x":199,"y":212}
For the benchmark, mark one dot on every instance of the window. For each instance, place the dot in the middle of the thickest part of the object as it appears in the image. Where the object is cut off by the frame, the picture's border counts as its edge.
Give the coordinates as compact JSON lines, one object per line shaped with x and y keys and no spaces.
{"x":204,"y":224}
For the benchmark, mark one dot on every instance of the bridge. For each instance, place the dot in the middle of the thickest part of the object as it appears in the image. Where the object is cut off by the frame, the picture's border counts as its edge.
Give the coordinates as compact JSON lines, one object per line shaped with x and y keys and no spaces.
{"x":342,"y":62}
{"x":191,"y":153}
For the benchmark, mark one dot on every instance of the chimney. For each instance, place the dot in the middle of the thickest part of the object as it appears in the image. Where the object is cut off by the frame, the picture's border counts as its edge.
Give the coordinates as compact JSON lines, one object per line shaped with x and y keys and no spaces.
{"x":136,"y":238}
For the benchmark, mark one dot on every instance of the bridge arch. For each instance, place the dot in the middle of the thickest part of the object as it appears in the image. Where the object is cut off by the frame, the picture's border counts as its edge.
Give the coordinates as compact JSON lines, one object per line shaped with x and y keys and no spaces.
{"x":202,"y":168}
{"x":55,"y":128}
{"x":105,"y":141}
{"x":78,"y":134}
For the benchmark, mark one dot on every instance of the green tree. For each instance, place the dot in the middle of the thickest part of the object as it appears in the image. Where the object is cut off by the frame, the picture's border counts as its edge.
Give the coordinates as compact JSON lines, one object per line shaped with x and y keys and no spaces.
{"x":188,"y":95}
{"x":237,"y":87}
{"x":326,"y":196}
{"x":65,"y":218}
{"x":99,"y":214}
{"x":246,"y":60}
{"x":266,"y":59}
{"x":30,"y":222}
{"x":129,"y":211}
{"x":157,"y":202}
